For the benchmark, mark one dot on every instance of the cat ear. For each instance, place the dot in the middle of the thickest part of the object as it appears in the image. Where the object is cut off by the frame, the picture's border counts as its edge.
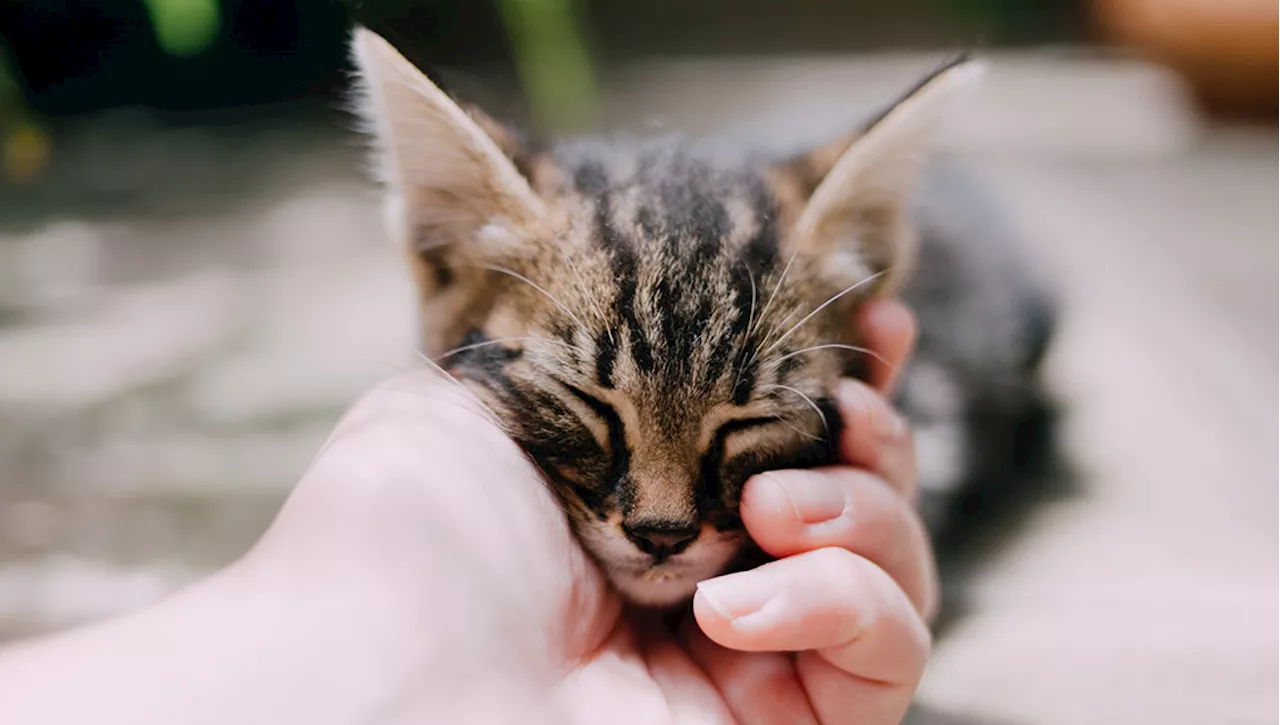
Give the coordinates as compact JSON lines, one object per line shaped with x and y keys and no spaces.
{"x":452,"y":191}
{"x":861,"y":187}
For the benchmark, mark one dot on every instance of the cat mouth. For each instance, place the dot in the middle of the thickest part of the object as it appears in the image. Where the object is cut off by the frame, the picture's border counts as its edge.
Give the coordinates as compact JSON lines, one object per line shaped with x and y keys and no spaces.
{"x":667,"y":582}
{"x":663,"y":573}
{"x":657,"y":586}
{"x":650,"y":581}
{"x":655,"y":569}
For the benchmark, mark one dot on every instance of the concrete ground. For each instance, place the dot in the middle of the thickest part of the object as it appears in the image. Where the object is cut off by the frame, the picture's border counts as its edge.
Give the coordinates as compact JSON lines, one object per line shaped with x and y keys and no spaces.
{"x":169,"y":368}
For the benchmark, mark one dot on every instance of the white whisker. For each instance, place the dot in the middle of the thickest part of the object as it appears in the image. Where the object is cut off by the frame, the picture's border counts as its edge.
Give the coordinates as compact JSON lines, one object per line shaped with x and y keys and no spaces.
{"x":824,"y":305}
{"x":778,"y":286}
{"x":806,"y":399}
{"x":548,"y":295}
{"x":581,"y":283}
{"x":751,"y":320}
{"x":486,"y":343}
{"x":397,"y":366}
{"x":485,"y":414}
{"x":796,"y":428}
{"x":853,"y":348}
{"x":495,"y":418}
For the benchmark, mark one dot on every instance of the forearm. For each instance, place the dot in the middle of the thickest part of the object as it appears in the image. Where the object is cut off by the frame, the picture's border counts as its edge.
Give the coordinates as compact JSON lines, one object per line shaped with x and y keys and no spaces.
{"x":222,"y":652}
{"x":412,"y":576}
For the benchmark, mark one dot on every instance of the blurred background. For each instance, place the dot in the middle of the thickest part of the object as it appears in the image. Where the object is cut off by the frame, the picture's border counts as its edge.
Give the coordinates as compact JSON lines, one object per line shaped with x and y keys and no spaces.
{"x":193,"y":285}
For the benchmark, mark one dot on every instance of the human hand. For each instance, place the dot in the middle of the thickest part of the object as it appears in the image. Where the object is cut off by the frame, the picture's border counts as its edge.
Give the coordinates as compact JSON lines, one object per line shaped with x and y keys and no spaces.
{"x":835,"y":631}
{"x":418,"y":499}
{"x":422,"y":571}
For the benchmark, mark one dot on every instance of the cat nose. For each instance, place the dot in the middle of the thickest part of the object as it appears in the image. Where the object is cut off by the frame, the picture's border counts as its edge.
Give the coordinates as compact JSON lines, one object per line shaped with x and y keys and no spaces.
{"x":662,"y":539}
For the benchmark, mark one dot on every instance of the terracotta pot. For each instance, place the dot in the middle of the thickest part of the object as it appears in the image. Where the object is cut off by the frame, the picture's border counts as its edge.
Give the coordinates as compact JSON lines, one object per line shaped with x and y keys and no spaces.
{"x":1226,"y":48}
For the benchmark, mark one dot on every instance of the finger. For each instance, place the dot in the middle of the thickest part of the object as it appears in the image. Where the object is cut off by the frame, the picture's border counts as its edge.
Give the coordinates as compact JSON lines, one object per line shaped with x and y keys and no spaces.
{"x":690,"y":695}
{"x":869,"y":646}
{"x":791,"y":512}
{"x":759,"y":688}
{"x":875,"y":436}
{"x":888,"y":328}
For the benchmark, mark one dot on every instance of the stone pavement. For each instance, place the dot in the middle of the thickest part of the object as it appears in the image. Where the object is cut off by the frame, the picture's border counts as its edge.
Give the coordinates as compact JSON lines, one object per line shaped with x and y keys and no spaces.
{"x":167,"y":374}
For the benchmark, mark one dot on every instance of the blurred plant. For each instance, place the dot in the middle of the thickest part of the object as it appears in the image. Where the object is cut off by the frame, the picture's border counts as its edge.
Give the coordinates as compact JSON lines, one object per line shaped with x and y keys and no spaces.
{"x":1003,"y":21}
{"x":552,"y":61}
{"x":24,"y":143}
{"x":10,"y":95}
{"x":184,"y":27}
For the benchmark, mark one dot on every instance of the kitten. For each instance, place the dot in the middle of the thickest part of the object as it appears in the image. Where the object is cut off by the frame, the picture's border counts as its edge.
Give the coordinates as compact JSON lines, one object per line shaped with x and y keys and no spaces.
{"x":654,"y":323}
{"x":983,"y":424}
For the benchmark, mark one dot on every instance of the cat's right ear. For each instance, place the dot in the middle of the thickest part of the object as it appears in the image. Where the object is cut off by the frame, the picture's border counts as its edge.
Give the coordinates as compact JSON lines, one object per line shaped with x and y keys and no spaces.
{"x":453,"y":196}
{"x":856,"y":216}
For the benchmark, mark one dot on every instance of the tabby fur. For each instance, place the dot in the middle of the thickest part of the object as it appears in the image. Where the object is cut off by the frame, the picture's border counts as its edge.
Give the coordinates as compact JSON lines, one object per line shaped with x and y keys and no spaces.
{"x":651,"y":320}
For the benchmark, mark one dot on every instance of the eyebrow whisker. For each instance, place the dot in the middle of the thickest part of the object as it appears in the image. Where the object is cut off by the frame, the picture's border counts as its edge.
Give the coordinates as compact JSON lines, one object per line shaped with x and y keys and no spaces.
{"x":805,"y":398}
{"x":836,"y":345}
{"x":796,"y":428}
{"x":486,"y":343}
{"x":531,"y":283}
{"x":824,"y":305}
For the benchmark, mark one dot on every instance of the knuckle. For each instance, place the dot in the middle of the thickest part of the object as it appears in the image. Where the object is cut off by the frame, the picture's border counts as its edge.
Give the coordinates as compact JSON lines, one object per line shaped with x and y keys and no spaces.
{"x":841,"y":567}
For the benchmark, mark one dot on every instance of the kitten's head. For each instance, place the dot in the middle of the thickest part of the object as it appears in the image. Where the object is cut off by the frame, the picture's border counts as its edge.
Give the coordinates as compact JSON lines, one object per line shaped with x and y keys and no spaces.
{"x":651,"y":323}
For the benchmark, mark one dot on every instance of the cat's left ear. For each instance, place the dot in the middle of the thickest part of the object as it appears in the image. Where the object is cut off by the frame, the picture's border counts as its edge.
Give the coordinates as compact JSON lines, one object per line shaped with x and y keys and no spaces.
{"x":857,"y":215}
{"x":453,"y":188}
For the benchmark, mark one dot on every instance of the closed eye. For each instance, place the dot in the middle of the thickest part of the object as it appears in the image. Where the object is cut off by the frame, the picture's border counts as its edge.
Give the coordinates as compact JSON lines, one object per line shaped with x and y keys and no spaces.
{"x":602,"y":409}
{"x":620,"y":456}
{"x":715,"y":451}
{"x":713,"y":458}
{"x":735,"y":426}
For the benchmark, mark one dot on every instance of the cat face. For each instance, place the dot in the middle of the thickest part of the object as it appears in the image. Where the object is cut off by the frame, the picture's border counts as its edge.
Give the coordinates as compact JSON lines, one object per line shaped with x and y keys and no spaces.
{"x":653,"y":324}
{"x":649,"y":355}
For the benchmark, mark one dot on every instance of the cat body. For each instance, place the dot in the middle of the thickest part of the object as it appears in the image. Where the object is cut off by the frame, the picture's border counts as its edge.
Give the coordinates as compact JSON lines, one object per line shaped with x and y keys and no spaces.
{"x":972,"y":389}
{"x":654,"y":322}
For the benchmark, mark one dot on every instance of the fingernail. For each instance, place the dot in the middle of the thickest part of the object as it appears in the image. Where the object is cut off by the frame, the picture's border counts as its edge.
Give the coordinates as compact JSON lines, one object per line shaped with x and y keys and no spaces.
{"x":811,"y":496}
{"x":849,"y":393}
{"x":743,"y":599}
{"x":886,"y":422}
{"x":769,"y":493}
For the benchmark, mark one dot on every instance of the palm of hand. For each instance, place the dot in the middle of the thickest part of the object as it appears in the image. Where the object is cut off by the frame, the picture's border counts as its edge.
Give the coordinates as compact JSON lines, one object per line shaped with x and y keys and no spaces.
{"x":833,"y":631}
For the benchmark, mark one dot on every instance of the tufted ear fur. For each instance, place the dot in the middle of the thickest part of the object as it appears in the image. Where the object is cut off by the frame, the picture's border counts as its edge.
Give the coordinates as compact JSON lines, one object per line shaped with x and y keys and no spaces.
{"x":455,"y":201}
{"x":857,"y":212}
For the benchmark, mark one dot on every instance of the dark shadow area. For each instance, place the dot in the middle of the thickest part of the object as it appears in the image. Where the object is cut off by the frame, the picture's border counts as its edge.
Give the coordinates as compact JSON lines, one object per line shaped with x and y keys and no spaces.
{"x":89,"y":55}
{"x":84,"y":55}
{"x":996,"y":508}
{"x":128,"y":119}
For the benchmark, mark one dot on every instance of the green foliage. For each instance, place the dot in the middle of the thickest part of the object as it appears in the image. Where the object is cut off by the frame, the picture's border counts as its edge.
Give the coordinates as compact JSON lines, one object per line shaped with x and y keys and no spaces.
{"x":184,"y":27}
{"x":552,"y":60}
{"x":25,"y":144}
{"x":12,"y":105}
{"x":1003,"y":21}
{"x":8,"y":85}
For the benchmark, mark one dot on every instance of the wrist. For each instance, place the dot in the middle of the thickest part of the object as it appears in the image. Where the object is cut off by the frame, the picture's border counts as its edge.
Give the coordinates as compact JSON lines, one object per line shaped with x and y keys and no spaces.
{"x":358,"y":641}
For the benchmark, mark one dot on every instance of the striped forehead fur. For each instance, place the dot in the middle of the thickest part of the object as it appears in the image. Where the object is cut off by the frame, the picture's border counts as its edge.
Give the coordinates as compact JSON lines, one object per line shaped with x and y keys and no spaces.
{"x":653,"y":321}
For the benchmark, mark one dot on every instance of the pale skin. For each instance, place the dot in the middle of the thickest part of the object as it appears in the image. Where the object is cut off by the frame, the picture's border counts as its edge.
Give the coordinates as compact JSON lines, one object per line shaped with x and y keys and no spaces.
{"x":422,"y":572}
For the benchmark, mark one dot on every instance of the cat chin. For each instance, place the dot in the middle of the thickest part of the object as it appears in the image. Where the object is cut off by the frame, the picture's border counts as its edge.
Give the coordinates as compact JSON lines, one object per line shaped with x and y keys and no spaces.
{"x":671,"y":584}
{"x":655,"y":590}
{"x":634,"y":576}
